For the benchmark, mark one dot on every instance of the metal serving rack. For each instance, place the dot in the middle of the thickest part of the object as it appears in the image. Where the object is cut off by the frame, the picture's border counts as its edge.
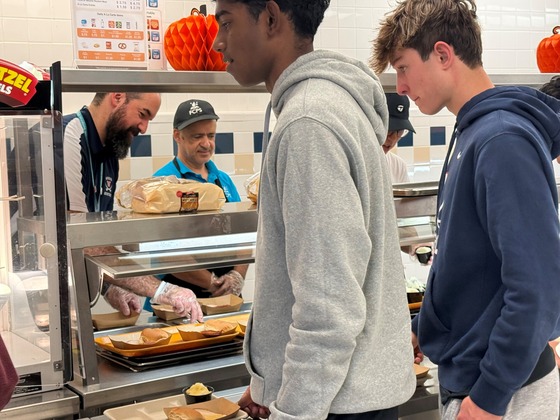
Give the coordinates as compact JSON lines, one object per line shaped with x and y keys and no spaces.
{"x":131,"y":229}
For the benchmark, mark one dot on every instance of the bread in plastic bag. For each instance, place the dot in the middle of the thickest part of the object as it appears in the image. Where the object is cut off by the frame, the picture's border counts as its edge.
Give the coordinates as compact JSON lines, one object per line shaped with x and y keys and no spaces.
{"x":158,"y":194}
{"x":252,"y":187}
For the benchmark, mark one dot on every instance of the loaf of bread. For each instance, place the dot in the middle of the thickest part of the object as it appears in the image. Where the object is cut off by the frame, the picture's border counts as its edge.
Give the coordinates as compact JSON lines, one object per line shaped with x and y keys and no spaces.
{"x":159,"y":194}
{"x":252,"y":187}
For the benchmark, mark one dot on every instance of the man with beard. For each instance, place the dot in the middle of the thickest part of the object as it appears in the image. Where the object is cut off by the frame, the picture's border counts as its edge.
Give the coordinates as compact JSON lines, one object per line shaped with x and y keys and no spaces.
{"x":95,"y":139}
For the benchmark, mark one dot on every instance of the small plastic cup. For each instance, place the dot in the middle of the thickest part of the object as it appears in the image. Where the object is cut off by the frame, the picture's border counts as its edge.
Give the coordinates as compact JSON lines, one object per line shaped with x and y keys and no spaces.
{"x":193,"y":399}
{"x":423,"y":253}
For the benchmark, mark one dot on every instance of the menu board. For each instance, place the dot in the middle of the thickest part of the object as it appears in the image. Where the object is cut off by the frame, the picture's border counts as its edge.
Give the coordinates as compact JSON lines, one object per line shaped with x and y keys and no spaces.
{"x":110,"y":33}
{"x":154,"y":35}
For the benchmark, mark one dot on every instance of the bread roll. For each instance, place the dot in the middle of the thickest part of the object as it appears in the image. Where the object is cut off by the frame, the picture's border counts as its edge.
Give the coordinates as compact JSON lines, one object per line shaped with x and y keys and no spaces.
{"x":193,"y":327}
{"x":214,"y":327}
{"x":184,"y":413}
{"x":152,"y":335}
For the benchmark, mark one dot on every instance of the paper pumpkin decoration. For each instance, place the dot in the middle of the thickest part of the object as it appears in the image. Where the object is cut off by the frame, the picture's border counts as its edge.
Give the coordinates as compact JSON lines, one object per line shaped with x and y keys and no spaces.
{"x":548,"y":53}
{"x":188,"y":43}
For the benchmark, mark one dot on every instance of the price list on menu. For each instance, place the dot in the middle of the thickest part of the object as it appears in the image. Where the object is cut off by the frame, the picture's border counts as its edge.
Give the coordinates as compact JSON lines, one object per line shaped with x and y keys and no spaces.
{"x":110,"y":33}
{"x":154,"y":35}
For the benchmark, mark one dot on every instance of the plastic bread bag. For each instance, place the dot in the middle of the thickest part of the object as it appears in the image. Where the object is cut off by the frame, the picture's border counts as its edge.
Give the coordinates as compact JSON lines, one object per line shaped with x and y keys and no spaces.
{"x":252,"y":187}
{"x":162,"y":194}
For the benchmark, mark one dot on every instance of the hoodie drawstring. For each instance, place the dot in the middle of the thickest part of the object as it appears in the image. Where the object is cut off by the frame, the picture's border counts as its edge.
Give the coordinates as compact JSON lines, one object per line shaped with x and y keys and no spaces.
{"x":264,"y":141}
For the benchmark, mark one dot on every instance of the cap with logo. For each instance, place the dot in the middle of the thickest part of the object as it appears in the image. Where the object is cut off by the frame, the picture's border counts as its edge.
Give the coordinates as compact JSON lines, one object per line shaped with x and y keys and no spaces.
{"x":192,"y":111}
{"x":398,"y":112}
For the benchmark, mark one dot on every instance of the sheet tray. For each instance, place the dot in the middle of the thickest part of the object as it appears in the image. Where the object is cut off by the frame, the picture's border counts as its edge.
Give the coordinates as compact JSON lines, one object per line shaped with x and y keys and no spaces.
{"x":139,"y":364}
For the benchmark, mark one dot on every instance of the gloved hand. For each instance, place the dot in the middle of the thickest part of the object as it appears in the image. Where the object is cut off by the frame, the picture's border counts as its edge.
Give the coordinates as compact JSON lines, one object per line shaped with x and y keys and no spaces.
{"x":182,"y":300}
{"x":231,"y":282}
{"x":123,"y":300}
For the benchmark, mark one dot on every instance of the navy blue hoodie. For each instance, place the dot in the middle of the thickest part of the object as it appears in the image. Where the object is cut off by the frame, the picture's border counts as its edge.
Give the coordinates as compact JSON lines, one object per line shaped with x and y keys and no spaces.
{"x":493,"y":296}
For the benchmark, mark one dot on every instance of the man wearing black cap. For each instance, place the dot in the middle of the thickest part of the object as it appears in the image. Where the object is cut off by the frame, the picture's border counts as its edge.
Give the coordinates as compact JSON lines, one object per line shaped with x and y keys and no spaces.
{"x":194,"y":131}
{"x":399,"y":125}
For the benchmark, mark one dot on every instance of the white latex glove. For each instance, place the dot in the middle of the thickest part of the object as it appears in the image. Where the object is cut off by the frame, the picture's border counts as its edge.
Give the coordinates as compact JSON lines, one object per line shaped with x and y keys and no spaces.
{"x":123,"y":300}
{"x":182,"y":300}
{"x":231,"y":282}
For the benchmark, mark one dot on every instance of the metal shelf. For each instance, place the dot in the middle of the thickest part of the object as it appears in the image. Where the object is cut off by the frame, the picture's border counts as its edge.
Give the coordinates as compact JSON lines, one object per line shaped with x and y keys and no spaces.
{"x":169,"y":81}
{"x":171,"y":261}
{"x":536,"y":80}
{"x":125,"y":227}
{"x":102,"y":80}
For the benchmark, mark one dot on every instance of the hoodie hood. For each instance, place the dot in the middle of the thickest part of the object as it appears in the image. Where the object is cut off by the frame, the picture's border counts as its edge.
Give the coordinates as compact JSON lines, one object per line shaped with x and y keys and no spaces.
{"x":542,"y":110}
{"x":352,"y":75}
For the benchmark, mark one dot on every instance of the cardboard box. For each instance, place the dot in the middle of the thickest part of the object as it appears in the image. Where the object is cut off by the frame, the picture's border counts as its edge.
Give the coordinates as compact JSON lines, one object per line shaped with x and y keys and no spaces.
{"x":113,"y":320}
{"x":220,"y":304}
{"x":165,"y":312}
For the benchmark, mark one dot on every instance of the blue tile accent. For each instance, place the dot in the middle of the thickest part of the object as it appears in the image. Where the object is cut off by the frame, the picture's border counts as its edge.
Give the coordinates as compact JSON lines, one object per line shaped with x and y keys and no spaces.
{"x":258,"y":140}
{"x":437,"y":136}
{"x":407,"y":141}
{"x":141,"y":146}
{"x":224,"y":143}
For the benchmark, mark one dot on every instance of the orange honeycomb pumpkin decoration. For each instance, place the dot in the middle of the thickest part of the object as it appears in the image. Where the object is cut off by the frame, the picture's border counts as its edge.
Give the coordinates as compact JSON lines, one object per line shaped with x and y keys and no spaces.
{"x":188,"y":43}
{"x":548,"y":53}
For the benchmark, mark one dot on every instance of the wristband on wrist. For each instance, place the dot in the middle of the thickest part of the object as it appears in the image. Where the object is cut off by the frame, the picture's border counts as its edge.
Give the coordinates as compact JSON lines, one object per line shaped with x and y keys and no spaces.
{"x":159,"y":291}
{"x":213,"y":278}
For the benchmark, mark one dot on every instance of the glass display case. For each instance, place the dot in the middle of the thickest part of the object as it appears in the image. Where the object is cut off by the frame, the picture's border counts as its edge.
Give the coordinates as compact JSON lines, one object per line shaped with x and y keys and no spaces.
{"x":34,"y":312}
{"x":151,"y":244}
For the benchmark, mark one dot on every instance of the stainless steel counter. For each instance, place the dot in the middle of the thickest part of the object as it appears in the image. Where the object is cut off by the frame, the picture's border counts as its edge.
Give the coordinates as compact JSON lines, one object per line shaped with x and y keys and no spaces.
{"x":59,"y":404}
{"x":422,"y":406}
{"x":231,"y":394}
{"x":120,"y":386}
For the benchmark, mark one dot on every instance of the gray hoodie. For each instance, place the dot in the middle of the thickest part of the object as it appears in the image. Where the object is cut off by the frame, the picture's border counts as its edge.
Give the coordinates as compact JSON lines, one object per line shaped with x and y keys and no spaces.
{"x":330,"y":327}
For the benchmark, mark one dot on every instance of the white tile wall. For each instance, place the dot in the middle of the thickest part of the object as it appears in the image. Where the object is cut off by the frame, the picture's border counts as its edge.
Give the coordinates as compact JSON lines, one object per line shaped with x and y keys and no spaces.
{"x":510,"y":28}
{"x":40,"y":31}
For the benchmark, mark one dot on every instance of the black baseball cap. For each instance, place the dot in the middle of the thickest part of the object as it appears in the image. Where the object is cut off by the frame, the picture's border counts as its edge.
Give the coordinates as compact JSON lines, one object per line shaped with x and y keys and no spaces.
{"x":398,"y":112}
{"x":192,"y":111}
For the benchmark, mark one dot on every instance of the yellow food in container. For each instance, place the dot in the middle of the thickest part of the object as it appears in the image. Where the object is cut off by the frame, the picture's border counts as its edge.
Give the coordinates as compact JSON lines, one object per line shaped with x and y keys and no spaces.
{"x":198,"y":389}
